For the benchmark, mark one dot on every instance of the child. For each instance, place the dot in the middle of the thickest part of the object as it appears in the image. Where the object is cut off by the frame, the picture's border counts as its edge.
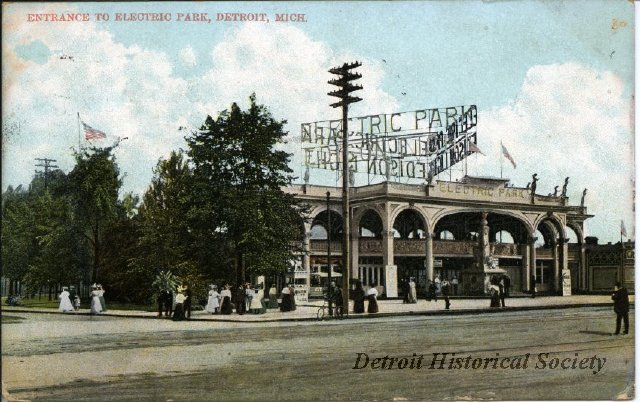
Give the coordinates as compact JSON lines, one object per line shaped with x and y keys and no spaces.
{"x":76,"y":303}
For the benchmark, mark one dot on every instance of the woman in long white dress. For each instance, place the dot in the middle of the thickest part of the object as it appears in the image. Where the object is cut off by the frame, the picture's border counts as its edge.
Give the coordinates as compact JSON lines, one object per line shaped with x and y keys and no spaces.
{"x":214,"y":300}
{"x":413,"y":297}
{"x":96,"y":307}
{"x":101,"y":292}
{"x":65,"y":302}
{"x":256,"y":302}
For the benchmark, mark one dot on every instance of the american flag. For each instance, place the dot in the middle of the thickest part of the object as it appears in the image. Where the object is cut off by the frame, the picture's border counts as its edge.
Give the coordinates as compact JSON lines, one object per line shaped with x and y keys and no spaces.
{"x":507,"y":155}
{"x":474,"y":148}
{"x":91,"y":133}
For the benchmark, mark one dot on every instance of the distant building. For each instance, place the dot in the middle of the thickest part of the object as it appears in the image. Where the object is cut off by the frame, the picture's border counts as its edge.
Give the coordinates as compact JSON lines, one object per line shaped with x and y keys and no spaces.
{"x":608,"y":264}
{"x":473,"y":229}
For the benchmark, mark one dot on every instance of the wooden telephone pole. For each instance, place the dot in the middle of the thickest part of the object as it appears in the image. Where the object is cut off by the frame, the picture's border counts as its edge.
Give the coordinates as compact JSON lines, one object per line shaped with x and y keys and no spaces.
{"x":343,"y":82}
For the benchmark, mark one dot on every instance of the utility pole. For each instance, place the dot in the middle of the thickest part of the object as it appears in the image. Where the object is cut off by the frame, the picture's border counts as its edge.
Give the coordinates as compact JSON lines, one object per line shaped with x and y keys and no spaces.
{"x":343,"y":82}
{"x":46,"y":164}
{"x":329,"y":295}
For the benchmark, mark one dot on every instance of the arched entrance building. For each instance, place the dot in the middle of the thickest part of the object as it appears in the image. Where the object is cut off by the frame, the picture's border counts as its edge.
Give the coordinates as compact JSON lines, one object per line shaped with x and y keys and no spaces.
{"x":471,"y":229}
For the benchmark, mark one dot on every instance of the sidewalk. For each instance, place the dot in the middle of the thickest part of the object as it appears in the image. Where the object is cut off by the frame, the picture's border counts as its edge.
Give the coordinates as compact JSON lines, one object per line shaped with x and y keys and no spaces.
{"x":388,"y":308}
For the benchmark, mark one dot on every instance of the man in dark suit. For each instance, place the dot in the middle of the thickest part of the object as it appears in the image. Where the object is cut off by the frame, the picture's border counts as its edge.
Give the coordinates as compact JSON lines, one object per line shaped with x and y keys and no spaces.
{"x":168,"y":303}
{"x":620,"y":299}
{"x":187,"y":302}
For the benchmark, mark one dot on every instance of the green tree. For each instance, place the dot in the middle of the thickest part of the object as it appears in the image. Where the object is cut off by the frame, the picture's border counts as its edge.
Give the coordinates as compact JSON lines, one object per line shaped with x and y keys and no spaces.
{"x":19,"y":246}
{"x":238,"y":202}
{"x":93,"y":185}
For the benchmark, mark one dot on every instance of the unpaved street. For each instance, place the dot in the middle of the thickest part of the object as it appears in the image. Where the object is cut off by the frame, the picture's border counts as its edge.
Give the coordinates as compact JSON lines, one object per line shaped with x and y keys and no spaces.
{"x":115,"y":359}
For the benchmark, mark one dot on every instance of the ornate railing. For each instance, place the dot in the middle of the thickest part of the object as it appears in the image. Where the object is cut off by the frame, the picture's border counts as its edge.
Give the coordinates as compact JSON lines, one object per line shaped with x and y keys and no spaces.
{"x":370,"y":246}
{"x":544,"y":253}
{"x":454,"y":247}
{"x":417,"y":246}
{"x":321,"y":246}
{"x":505,"y":250}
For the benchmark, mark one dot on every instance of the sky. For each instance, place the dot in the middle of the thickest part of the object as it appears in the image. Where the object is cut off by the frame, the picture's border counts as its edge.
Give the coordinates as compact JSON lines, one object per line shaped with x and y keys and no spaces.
{"x":552,"y":80}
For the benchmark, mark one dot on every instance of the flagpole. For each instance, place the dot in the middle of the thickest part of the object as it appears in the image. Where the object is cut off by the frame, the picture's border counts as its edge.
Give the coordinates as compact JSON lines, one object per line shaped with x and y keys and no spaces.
{"x":466,"y":149}
{"x":79,"y":131}
{"x":501,"y":158}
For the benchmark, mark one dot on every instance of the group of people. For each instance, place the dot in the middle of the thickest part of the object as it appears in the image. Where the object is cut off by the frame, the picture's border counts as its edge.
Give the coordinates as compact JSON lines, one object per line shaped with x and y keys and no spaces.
{"x":443,"y":288}
{"x":70,"y":300}
{"x":359,"y":297}
{"x":248,"y":298}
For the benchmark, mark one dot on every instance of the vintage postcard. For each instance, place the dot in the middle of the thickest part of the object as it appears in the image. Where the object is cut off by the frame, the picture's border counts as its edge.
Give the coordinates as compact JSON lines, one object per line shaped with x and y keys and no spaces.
{"x":365,"y":200}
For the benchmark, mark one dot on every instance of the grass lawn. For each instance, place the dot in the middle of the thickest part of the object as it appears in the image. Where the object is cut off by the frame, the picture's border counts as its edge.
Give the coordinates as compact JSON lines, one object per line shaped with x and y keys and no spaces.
{"x":44,"y":302}
{"x":10,"y":320}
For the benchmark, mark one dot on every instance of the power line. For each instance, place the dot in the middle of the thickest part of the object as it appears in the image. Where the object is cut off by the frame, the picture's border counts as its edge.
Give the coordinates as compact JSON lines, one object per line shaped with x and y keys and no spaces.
{"x":46,"y":164}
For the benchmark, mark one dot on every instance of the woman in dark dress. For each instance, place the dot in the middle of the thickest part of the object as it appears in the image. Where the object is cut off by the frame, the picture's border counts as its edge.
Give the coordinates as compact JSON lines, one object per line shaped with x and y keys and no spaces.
{"x":494,"y":291}
{"x":372,"y":296}
{"x":358,"y":298}
{"x":241,"y":303}
{"x":178,"y":312}
{"x":285,"y":304}
{"x":225,"y":306}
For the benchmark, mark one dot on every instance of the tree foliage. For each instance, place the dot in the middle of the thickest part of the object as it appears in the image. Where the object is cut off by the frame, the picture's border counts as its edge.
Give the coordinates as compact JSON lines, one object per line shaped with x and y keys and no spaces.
{"x":238,"y":180}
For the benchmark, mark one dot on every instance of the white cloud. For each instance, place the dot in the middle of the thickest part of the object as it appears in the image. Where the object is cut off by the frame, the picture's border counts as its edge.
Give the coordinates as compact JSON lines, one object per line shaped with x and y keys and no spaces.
{"x":188,"y":56}
{"x":129,"y":91}
{"x":568,"y":120}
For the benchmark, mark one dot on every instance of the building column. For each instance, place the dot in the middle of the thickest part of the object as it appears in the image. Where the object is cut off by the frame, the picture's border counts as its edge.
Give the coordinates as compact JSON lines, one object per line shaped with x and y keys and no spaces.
{"x":355,"y":255}
{"x":556,"y":267}
{"x":583,"y":267}
{"x":485,"y":251}
{"x":390,"y":269}
{"x":306,"y":257}
{"x":525,"y":280}
{"x":429,"y":257}
{"x":532,"y":262}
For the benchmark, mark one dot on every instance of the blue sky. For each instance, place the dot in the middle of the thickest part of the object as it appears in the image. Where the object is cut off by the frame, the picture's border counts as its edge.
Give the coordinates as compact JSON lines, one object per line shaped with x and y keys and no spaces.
{"x":553,"y":80}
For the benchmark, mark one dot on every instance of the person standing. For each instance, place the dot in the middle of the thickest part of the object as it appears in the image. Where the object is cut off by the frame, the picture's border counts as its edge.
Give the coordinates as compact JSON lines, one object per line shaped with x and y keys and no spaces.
{"x":256,"y":301}
{"x":225,"y":304}
{"x":372,"y":296}
{"x":285,"y":296}
{"x":533,"y":286}
{"x":406,"y":291}
{"x":502,"y":290}
{"x":161,"y":300}
{"x":358,"y":298}
{"x":446,"y":288}
{"x":432,"y":292}
{"x":213,"y":303}
{"x":454,"y":284}
{"x":248,"y":295}
{"x":413,"y":296}
{"x":292,"y":295}
{"x":438,"y":284}
{"x":507,"y":284}
{"x":239,"y":300}
{"x":620,"y":299}
{"x":76,"y":302}
{"x":96,"y":307}
{"x":65,"y":302}
{"x":72,"y":295}
{"x":187,"y":302}
{"x":168,"y":303}
{"x":181,"y":298}
{"x":494,"y":292}
{"x":273,"y":296}
{"x":102,"y":301}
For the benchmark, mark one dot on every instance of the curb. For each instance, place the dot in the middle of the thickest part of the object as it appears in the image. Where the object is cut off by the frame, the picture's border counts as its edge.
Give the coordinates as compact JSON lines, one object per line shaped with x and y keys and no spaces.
{"x":442,"y":312}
